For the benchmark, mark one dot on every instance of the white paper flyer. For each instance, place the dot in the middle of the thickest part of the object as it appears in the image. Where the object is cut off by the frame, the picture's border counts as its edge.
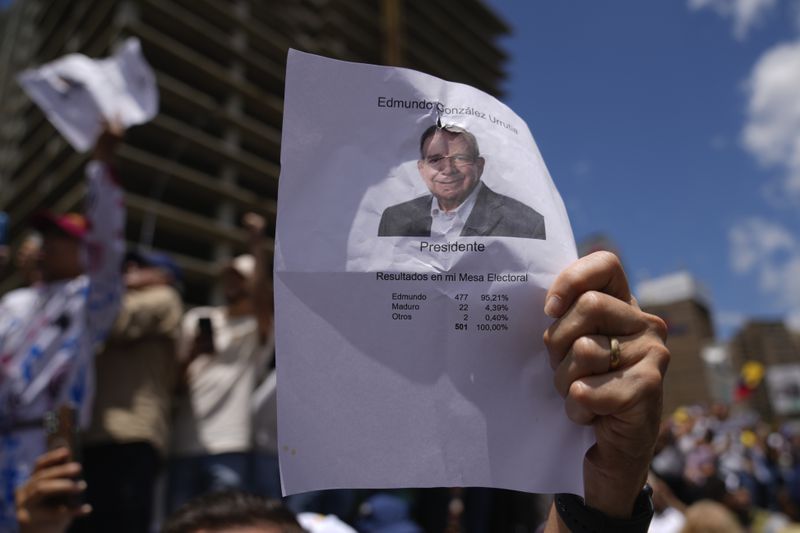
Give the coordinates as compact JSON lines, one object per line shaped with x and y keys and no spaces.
{"x":77,"y":93}
{"x":418,"y":230}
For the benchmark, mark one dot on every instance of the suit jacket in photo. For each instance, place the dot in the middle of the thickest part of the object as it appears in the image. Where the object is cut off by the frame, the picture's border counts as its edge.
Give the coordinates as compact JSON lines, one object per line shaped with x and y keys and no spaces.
{"x":493,"y":215}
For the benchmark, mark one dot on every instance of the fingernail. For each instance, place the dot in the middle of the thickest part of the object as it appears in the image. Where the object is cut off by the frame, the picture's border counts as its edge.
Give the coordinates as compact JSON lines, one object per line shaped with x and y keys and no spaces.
{"x":552,"y":307}
{"x":82,"y":485}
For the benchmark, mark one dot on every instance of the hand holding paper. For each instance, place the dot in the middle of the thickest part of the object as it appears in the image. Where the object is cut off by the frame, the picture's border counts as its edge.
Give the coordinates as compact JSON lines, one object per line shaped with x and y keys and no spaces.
{"x":620,"y":396}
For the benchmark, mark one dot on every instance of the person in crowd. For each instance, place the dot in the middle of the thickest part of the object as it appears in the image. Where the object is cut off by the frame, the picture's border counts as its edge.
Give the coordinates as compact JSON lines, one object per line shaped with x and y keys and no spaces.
{"x":701,"y":477}
{"x":27,"y":261}
{"x":222,"y":350}
{"x":599,"y":333}
{"x":669,"y":510}
{"x":734,"y":458}
{"x":28,"y":258}
{"x":4,"y":250}
{"x":669,"y":462}
{"x":229,"y":511}
{"x":49,"y":332}
{"x":127,"y":440}
{"x":266,"y":479}
{"x":707,"y":516}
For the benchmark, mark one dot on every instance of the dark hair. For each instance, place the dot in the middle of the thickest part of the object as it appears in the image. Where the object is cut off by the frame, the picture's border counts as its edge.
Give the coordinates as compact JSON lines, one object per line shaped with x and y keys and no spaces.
{"x":218,"y":511}
{"x":454,"y":130}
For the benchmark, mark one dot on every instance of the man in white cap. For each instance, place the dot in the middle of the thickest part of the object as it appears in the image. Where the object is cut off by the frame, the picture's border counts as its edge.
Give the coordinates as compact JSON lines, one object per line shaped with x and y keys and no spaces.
{"x":222,"y":350}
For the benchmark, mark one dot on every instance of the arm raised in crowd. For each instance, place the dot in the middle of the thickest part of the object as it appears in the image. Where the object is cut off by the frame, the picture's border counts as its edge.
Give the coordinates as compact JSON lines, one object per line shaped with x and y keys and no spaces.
{"x":609,"y":359}
{"x":262,"y":287}
{"x":105,"y":243}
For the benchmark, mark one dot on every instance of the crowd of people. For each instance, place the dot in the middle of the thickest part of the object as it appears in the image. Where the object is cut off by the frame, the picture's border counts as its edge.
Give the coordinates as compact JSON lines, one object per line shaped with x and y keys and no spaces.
{"x":731,"y":459}
{"x":105,"y":372}
{"x":109,"y":385}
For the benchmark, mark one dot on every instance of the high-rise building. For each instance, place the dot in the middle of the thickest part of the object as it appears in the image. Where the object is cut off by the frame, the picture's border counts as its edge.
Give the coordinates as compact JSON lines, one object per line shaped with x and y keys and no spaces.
{"x":771,"y":344}
{"x":684,"y":305}
{"x":213,"y":151}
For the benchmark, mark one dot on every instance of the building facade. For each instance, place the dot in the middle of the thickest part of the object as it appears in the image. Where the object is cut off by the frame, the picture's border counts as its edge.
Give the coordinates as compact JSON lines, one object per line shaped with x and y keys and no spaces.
{"x":770,"y":343}
{"x":213,"y":152}
{"x":684,"y":305}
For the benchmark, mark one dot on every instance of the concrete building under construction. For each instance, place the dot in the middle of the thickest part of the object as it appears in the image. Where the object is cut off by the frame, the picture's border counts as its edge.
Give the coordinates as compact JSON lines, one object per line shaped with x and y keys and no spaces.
{"x":686,"y":308}
{"x":213,"y":151}
{"x":771,"y":344}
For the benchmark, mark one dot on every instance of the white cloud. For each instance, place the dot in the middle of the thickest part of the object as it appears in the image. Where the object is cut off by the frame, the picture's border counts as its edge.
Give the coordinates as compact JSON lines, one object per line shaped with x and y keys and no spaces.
{"x":745,"y":13}
{"x":772,"y":253}
{"x":772,"y":130}
{"x":755,"y":240}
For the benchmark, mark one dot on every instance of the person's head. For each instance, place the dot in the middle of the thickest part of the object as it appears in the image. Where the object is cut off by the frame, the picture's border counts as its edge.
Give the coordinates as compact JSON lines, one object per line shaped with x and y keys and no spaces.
{"x":232,"y":512}
{"x":707,"y":516}
{"x":27,"y":260}
{"x":237,"y":277}
{"x":721,"y":411}
{"x":450,"y":164}
{"x":144,"y":269}
{"x":62,"y":243}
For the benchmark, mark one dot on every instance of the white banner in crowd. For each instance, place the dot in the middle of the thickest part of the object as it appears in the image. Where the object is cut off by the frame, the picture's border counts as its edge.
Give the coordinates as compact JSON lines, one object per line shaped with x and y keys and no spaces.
{"x":77,"y":94}
{"x":783,"y":382}
{"x":409,"y":338}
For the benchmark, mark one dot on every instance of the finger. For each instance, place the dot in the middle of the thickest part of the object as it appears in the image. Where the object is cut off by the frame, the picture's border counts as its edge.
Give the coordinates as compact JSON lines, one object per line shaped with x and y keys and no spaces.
{"x":58,"y":514}
{"x":600,"y":271}
{"x":253,"y":220}
{"x":47,"y":488}
{"x":53,"y":457}
{"x":594,"y":313}
{"x":83,"y":510}
{"x":619,"y":391}
{"x":68,"y":470}
{"x":589,"y":355}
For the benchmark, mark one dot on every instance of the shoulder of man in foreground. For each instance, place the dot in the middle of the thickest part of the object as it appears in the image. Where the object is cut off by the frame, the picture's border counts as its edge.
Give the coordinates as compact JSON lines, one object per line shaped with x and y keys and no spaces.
{"x":396,"y":218}
{"x":516,"y":218}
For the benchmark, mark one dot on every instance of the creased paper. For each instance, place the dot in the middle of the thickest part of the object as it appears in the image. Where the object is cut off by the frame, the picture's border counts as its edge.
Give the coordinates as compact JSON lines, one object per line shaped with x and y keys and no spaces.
{"x":78,"y":94}
{"x":409,"y":355}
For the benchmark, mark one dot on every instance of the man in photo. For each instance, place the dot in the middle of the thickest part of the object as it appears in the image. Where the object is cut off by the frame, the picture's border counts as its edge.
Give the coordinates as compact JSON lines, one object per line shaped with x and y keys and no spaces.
{"x":459,"y":204}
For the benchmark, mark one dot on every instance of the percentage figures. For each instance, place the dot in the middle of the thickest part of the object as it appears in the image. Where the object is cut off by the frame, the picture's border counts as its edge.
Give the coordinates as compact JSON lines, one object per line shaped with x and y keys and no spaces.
{"x":494,"y":297}
{"x":496,"y":307}
{"x":492,"y":327}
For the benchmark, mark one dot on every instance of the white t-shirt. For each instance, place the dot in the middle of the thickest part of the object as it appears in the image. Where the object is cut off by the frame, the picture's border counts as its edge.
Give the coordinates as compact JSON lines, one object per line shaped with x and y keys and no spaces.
{"x":670,"y":521}
{"x":215,"y":416}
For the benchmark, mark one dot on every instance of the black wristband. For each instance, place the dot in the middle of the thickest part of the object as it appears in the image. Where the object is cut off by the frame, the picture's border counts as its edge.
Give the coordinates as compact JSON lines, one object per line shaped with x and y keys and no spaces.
{"x":580,"y":518}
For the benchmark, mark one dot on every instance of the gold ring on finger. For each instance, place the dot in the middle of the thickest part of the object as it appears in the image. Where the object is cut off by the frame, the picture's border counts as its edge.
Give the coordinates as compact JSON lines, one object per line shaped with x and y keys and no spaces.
{"x":615,"y":353}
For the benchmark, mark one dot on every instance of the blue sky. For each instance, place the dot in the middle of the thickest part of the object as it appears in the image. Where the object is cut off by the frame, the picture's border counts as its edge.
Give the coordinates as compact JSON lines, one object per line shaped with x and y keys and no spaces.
{"x":674,"y":128}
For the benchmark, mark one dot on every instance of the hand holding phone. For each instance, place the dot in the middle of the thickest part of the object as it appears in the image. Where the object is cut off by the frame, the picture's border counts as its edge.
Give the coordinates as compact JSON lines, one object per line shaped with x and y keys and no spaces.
{"x":204,"y":339}
{"x":53,"y":478}
{"x":61,"y":430}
